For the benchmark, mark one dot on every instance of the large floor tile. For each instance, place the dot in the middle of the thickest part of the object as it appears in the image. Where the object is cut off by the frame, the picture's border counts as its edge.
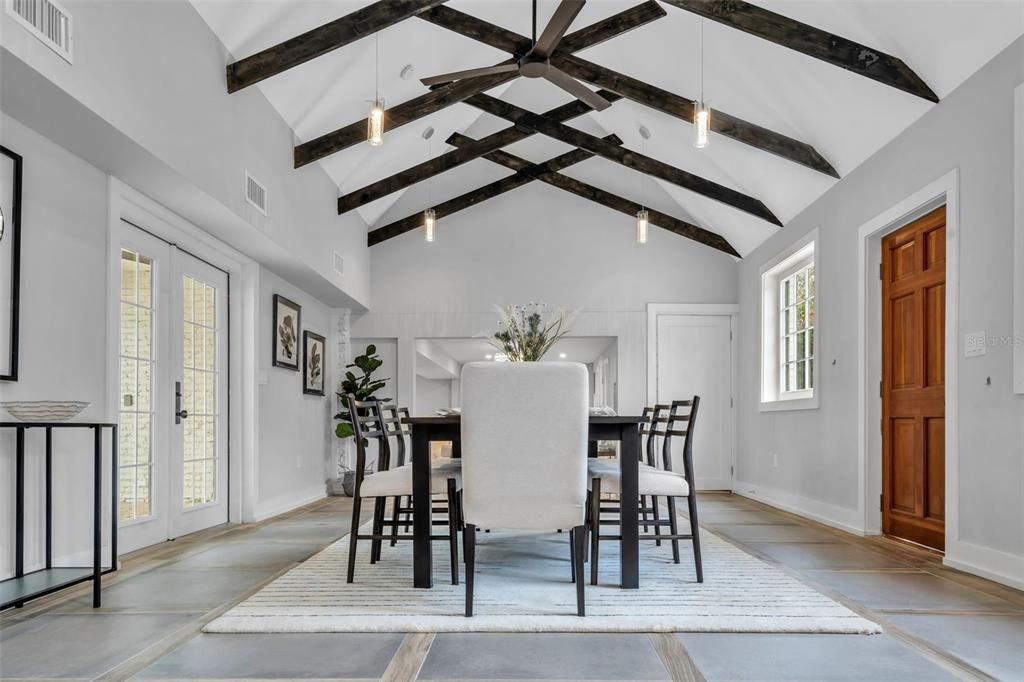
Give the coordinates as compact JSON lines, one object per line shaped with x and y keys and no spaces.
{"x":305,"y":655}
{"x":720,"y":516}
{"x":167,"y":589}
{"x":297,"y":531}
{"x":79,"y":645}
{"x":776,"y":533}
{"x":911,"y":591}
{"x":826,"y":555}
{"x":817,"y":658}
{"x":249,"y":555}
{"x":549,"y":656}
{"x":993,"y":644}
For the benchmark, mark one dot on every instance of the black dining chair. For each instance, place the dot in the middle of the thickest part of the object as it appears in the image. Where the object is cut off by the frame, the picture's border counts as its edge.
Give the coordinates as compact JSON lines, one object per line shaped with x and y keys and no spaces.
{"x":656,"y":482}
{"x":395,"y":482}
{"x":401,"y":506}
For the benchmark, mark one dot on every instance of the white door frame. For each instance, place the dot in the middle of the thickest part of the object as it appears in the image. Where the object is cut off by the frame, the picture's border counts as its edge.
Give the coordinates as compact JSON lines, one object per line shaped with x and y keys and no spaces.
{"x":944,"y":191}
{"x":126,"y":203}
{"x":732,"y":310}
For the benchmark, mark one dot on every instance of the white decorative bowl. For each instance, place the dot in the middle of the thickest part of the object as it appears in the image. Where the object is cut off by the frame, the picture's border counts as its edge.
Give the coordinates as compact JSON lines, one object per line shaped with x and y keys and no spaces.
{"x":44,"y":410}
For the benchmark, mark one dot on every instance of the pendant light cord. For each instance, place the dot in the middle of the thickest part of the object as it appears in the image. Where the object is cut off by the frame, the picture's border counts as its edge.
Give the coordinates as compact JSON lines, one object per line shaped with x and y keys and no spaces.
{"x":700,"y":59}
{"x":643,"y":151}
{"x":376,"y":68}
{"x":534,"y":25}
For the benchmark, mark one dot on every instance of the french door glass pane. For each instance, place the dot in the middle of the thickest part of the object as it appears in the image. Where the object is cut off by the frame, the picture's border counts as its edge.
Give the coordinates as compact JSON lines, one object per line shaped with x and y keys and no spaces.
{"x":199,"y":343}
{"x":136,"y":386}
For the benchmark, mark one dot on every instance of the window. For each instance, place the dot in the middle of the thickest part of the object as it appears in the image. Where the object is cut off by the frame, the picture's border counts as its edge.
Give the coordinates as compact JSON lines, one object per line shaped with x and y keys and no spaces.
{"x":135,"y":421}
{"x":789,"y":310}
{"x":796,"y":332}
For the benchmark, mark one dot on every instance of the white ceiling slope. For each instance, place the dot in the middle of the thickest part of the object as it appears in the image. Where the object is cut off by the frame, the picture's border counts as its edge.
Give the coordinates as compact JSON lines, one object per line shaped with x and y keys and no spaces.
{"x":846,"y":117}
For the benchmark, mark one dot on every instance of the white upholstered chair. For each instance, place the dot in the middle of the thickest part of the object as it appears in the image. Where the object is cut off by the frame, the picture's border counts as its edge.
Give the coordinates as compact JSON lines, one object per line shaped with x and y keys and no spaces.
{"x":524,"y":454}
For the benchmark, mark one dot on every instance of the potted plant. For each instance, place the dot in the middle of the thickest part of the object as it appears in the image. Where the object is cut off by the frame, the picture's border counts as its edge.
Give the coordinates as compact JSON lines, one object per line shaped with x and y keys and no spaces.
{"x":362,"y":387}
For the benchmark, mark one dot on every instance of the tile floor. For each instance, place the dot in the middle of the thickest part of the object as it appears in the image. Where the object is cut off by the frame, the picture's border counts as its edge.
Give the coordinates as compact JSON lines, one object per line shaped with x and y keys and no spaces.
{"x":939,"y":626}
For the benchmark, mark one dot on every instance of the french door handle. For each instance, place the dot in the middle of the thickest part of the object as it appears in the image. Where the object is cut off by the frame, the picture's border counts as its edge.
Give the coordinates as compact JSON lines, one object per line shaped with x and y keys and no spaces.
{"x":179,"y":413}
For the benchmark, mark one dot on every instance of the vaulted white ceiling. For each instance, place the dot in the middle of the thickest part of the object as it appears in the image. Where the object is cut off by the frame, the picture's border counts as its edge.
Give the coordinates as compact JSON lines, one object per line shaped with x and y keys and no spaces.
{"x":846,"y":117}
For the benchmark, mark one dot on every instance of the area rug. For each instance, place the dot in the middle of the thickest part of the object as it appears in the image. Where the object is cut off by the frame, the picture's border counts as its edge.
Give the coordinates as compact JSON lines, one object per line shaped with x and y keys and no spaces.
{"x":523,"y":585}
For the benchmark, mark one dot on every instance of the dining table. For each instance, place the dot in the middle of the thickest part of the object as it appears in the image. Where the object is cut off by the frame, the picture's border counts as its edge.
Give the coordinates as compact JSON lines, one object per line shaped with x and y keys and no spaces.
{"x":448,"y":428}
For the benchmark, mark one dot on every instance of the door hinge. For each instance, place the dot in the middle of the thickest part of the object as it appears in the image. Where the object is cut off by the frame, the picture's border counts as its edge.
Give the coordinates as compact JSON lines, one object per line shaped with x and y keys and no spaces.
{"x":881,"y":389}
{"x":880,"y":271}
{"x":730,"y":402}
{"x":881,"y":503}
{"x":730,"y":335}
{"x":732,"y":471}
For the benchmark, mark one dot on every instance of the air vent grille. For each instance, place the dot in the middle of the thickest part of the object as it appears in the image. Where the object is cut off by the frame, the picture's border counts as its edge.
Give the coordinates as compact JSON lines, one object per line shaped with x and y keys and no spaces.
{"x":256,"y":194}
{"x":339,"y":263}
{"x":47,"y":21}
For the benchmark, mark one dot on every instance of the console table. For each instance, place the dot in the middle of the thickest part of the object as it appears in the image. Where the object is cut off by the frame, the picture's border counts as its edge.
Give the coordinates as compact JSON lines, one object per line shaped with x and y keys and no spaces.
{"x":25,"y":586}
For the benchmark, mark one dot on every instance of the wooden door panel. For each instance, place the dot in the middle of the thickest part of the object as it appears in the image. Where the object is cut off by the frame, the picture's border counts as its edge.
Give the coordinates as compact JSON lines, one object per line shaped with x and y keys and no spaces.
{"x":904,"y":342}
{"x":935,"y":333}
{"x":913,"y":381}
{"x":904,"y":444}
{"x":935,"y":468}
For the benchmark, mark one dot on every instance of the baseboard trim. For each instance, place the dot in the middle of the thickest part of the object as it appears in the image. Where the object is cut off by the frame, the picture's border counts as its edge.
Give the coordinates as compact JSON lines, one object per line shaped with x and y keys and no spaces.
{"x":829,"y":514}
{"x":993,"y":564}
{"x":281,"y":505}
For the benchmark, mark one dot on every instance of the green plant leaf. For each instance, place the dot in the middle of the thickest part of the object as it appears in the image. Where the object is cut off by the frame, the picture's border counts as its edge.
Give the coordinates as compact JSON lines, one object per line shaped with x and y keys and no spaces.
{"x":344,"y":430}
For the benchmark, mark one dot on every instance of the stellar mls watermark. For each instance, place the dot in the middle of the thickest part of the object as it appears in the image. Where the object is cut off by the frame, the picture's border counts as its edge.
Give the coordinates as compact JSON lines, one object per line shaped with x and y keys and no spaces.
{"x":975,"y":342}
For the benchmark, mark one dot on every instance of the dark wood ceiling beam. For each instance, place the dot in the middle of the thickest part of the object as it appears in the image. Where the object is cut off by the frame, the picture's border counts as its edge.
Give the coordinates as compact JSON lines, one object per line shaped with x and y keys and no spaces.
{"x":457,"y":157}
{"x":811,"y":41}
{"x":625,"y":157}
{"x":321,"y":40}
{"x":633,"y":89}
{"x":476,"y":196}
{"x":446,"y":95}
{"x":682,"y":108}
{"x":605,"y":198}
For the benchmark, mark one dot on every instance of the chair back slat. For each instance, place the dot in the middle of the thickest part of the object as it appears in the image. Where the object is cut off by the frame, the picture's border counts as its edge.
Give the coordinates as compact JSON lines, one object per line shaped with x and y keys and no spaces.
{"x":367,"y":421}
{"x":393,"y":416}
{"x":682,"y":420}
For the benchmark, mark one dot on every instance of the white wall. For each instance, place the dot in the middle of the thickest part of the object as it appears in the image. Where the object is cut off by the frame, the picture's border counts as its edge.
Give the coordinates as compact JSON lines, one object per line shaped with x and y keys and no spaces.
{"x":970,"y":130}
{"x":63,"y":339}
{"x":146,"y":101}
{"x":433,"y":394}
{"x":537,"y":243}
{"x":295,"y":443}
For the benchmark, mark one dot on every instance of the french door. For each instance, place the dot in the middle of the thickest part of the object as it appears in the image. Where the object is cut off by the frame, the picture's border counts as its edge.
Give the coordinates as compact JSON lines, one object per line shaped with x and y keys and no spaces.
{"x":172,"y":391}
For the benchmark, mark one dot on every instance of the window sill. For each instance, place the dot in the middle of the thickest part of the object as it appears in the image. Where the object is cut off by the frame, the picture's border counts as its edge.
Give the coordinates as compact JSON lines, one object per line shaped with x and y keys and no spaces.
{"x":794,"y":404}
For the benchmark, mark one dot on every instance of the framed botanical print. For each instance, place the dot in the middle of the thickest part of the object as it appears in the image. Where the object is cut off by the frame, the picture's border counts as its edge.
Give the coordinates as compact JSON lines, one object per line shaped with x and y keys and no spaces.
{"x":287,"y":322}
{"x":10,"y":261}
{"x":312,"y":363}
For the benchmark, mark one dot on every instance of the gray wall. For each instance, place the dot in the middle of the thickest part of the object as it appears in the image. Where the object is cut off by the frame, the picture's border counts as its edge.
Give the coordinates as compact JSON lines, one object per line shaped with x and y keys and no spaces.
{"x":538,"y":243}
{"x":971,"y":130}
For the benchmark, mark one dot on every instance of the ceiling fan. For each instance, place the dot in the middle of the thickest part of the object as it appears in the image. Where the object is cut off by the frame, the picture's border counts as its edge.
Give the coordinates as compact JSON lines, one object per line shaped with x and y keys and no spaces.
{"x":535,"y":64}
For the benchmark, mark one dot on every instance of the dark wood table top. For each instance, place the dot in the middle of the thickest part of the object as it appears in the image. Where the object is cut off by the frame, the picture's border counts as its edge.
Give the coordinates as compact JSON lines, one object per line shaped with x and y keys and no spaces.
{"x":56,"y":425}
{"x":457,"y":419}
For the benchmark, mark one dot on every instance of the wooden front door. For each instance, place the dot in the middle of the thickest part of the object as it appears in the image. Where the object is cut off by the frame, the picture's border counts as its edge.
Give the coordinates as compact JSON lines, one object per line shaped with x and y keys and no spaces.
{"x":913,"y":381}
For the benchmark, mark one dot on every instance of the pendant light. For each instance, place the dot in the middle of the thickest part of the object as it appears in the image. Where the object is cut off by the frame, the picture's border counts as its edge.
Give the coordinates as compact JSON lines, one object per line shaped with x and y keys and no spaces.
{"x":701,"y":112}
{"x":429,"y":215}
{"x":375,"y":120}
{"x":642,"y":217}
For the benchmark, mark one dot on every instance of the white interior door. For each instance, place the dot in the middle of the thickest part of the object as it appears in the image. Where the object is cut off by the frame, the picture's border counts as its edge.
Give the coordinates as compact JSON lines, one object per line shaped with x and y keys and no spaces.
{"x":172,"y":324}
{"x":694,"y":357}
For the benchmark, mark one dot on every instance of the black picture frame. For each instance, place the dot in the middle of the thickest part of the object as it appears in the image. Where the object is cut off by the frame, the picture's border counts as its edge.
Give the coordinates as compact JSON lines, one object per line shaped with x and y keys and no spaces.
{"x":12,"y":232}
{"x":310,"y":385}
{"x":285,"y":333}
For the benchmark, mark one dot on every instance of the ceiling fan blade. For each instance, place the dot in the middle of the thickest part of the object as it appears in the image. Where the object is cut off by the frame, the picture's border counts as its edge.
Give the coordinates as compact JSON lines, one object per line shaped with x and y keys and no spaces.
{"x":469,"y":73}
{"x":556,"y":28}
{"x":577,"y":89}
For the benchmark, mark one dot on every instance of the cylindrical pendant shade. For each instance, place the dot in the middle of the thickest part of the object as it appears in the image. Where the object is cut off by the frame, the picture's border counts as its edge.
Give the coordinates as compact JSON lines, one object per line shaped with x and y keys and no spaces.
{"x":375,"y":124}
{"x":701,"y":125}
{"x":641,"y":226}
{"x":429,"y":224}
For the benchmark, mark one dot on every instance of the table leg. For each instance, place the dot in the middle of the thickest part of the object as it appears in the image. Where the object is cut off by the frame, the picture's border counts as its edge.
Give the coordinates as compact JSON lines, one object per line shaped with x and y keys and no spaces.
{"x":19,"y":502}
{"x":115,"y":484}
{"x":422,"y":562}
{"x":629,"y":550}
{"x":97,"y":491}
{"x":49,"y":497}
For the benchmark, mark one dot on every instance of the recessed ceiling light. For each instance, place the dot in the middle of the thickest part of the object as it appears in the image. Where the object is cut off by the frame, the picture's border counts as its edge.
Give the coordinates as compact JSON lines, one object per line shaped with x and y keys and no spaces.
{"x":562,"y":356}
